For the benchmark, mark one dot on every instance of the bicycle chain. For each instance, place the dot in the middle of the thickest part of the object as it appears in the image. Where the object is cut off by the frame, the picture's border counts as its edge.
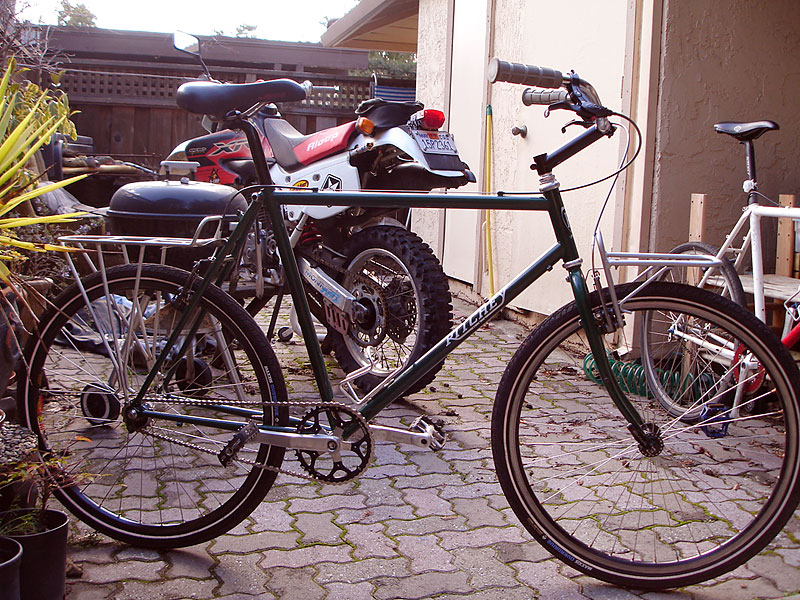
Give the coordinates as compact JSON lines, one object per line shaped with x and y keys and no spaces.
{"x":310,"y":405}
{"x":317,"y":257}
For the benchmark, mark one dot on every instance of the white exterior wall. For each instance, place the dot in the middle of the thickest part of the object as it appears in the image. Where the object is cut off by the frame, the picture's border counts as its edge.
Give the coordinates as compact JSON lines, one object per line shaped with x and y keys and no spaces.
{"x":433,"y":68}
{"x":592,"y":44}
{"x":676,"y":67}
{"x":516,"y":32}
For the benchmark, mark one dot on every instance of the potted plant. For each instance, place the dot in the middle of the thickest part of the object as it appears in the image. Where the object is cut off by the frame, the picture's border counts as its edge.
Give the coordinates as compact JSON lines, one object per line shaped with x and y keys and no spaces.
{"x":40,"y":530}
{"x":29,"y":116}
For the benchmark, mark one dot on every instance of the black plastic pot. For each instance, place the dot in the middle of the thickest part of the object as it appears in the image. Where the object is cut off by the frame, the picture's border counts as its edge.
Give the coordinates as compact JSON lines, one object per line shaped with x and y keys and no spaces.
{"x":10,"y":558}
{"x":43,"y":570}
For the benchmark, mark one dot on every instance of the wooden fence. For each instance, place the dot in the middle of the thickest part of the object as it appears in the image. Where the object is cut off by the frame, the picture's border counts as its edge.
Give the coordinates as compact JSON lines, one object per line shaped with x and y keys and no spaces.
{"x":133,"y":116}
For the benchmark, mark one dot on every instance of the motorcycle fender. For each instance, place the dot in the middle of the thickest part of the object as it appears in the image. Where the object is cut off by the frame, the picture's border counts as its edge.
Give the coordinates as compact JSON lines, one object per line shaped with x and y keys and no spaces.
{"x":179,"y":152}
{"x":399,"y":138}
{"x":332,"y":173}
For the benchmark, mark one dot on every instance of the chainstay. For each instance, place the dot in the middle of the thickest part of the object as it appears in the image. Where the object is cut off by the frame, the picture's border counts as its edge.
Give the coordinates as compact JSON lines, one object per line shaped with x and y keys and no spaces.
{"x":332,"y":405}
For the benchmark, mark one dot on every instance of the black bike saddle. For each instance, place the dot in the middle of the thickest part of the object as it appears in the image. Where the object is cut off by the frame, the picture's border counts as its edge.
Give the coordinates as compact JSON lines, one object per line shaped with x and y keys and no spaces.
{"x":745,"y":131}
{"x":217,"y":99}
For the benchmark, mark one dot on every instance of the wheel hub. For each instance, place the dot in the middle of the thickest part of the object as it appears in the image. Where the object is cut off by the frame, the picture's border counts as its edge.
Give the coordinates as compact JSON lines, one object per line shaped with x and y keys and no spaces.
{"x":369,"y":328}
{"x":653,"y":443}
{"x":134,"y":419}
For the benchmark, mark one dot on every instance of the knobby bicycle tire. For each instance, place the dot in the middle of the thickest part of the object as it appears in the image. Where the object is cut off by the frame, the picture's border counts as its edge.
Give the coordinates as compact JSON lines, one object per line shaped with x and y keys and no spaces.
{"x":151,"y":482}
{"x":713,"y":496}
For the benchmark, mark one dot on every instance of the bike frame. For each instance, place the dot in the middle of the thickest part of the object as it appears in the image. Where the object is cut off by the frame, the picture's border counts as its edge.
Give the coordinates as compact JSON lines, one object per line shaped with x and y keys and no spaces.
{"x":272,"y":199}
{"x":751,"y":216}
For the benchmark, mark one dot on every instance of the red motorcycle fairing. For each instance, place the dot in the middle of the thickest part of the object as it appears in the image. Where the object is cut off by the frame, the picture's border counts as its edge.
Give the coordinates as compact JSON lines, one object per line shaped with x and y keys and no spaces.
{"x":220,"y":153}
{"x":223,"y":155}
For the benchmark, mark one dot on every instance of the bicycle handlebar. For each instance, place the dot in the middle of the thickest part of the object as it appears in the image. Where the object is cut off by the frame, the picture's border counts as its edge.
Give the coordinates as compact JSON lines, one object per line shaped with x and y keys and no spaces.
{"x":577,"y":94}
{"x":546,"y":97}
{"x":500,"y":70}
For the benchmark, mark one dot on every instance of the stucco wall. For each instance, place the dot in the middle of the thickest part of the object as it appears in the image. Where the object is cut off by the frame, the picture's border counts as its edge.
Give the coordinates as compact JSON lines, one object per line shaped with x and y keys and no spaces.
{"x":433,"y":50}
{"x":723,"y":60}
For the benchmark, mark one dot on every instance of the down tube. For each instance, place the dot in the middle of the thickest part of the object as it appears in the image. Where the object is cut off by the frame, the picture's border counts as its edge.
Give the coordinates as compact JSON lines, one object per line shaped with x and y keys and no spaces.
{"x":438,"y":353}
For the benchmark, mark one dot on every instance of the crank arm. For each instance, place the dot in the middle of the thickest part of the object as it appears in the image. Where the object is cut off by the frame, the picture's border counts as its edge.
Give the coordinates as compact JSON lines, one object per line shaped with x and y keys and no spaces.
{"x":301,"y":441}
{"x":423,"y":435}
{"x":283,"y":439}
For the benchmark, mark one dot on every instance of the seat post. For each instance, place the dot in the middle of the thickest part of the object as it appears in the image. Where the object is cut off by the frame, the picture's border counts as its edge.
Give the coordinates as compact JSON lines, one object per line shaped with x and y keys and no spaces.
{"x":750,"y":186}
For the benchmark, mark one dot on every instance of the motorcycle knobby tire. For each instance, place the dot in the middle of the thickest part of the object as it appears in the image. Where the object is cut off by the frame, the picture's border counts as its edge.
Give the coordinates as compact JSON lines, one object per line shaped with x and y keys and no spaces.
{"x":397,"y":277}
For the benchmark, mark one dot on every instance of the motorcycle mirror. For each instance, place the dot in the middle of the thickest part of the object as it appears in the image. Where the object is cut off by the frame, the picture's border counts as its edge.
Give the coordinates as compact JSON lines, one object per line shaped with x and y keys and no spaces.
{"x":186,"y":42}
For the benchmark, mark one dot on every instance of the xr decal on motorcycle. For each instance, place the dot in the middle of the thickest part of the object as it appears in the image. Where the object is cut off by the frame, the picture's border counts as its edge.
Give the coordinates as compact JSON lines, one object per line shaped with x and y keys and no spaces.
{"x":230,"y":147}
{"x":332,"y":183}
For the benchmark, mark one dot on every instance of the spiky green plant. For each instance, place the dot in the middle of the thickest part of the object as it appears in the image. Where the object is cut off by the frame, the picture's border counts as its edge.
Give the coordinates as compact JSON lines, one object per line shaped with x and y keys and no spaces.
{"x":29,"y":116}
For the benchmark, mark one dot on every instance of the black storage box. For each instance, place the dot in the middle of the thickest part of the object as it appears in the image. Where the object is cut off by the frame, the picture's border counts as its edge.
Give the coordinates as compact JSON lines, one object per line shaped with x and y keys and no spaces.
{"x":172,"y":209}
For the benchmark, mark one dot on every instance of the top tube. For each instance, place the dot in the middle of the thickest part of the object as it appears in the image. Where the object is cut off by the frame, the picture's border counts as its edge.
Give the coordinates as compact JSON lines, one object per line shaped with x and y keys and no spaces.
{"x":420,"y":200}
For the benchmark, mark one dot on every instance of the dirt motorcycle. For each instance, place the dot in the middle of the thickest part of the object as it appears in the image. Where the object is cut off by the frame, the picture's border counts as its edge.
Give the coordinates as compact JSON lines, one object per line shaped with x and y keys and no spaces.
{"x":377,"y":289}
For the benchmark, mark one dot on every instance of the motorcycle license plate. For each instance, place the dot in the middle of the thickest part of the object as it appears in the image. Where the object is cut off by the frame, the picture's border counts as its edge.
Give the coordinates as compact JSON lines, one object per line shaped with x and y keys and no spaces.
{"x":435,"y":142}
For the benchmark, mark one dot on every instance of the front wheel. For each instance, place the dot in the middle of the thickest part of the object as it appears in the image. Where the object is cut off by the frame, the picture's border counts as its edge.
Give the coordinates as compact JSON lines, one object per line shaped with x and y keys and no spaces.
{"x":405,"y":301}
{"x":704,"y":497}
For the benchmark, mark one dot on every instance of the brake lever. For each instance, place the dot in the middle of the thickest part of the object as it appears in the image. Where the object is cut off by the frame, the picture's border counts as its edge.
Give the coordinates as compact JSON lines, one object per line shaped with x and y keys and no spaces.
{"x":584,"y":124}
{"x":563,"y":105}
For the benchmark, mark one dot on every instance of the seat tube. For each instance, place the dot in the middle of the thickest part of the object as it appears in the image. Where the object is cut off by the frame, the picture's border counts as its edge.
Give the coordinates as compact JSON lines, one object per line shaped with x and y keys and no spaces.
{"x":289,"y":263}
{"x":758,"y":266}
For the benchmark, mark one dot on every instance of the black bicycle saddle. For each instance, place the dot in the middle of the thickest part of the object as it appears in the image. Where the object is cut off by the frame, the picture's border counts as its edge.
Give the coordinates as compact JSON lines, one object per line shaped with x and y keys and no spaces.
{"x":745,"y":131}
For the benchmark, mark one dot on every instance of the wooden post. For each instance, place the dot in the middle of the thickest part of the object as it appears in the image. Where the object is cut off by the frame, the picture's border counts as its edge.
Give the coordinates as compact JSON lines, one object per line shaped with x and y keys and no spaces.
{"x":784,"y":254}
{"x":697,"y":218}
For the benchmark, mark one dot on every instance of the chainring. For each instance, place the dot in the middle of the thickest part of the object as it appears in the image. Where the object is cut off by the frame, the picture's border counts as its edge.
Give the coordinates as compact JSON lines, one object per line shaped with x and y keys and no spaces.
{"x":342,"y":465}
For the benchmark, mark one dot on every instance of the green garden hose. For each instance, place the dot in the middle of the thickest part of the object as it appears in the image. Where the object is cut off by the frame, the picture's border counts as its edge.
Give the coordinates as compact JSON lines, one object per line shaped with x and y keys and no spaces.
{"x":632,"y":379}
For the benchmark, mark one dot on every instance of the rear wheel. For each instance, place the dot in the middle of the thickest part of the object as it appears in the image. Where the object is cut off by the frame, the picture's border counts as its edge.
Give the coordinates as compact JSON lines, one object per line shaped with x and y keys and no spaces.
{"x":702,"y":498}
{"x":149,"y":475}
{"x":722,"y":279}
{"x":678,"y":385}
{"x":405,"y":300}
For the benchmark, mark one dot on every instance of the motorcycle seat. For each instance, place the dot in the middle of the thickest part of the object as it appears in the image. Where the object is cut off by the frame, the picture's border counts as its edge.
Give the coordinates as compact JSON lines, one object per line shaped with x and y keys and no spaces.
{"x":387,"y":113}
{"x":294,"y":150}
{"x":218,"y":99}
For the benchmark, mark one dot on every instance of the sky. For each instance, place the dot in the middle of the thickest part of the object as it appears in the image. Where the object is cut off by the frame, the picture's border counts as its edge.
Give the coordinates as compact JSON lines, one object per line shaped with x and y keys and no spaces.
{"x":287,"y":20}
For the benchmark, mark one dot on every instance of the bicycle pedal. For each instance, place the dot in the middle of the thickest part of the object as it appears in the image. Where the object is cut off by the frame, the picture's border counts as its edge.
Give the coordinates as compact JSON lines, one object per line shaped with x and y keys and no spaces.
{"x":433,"y":431}
{"x":239,"y":439}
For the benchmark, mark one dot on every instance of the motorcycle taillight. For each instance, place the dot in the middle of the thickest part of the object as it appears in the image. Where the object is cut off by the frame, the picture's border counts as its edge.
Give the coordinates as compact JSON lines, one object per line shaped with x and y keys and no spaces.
{"x":429,"y":119}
